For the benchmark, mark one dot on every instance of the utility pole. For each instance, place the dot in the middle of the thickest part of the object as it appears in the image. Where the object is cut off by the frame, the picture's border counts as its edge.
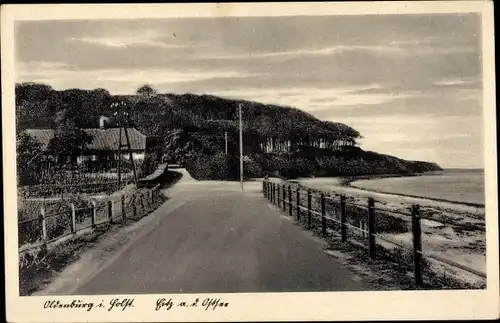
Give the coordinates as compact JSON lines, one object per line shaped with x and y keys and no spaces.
{"x":131,"y":157}
{"x":241,"y":149}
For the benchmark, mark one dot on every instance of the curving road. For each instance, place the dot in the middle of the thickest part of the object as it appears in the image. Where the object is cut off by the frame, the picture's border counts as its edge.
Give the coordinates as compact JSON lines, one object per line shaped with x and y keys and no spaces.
{"x":215,"y":238}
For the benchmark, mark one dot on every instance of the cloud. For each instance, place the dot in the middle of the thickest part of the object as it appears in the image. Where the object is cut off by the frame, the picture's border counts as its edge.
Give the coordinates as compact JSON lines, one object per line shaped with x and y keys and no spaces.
{"x":115,"y":80}
{"x":122,"y":42}
{"x":440,"y":140}
{"x":308,"y":53}
{"x":459,"y":82}
{"x":133,"y":38}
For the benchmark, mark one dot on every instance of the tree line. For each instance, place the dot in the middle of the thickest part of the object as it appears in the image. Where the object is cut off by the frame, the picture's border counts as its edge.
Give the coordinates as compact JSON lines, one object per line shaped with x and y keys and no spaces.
{"x":269,"y":127}
{"x":192,"y":128}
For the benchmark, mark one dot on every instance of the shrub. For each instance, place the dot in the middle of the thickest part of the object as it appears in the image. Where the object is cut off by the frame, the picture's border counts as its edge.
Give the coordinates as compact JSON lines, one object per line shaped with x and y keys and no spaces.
{"x":300,"y":167}
{"x":29,"y":231}
{"x":251,"y":168}
{"x":149,"y":165}
{"x":216,"y":167}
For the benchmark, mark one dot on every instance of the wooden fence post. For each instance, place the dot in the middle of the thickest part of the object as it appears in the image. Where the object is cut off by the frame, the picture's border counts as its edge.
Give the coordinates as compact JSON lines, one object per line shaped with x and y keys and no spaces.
{"x":298,"y":203}
{"x":290,"y":200}
{"x":268,"y":190}
{"x":43,"y":224}
{"x":417,"y":245}
{"x":143,"y":210}
{"x":343,"y":228}
{"x":309,"y":217}
{"x":73,"y":218}
{"x":110,"y":212}
{"x":94,"y":212}
{"x":323,"y":214}
{"x":274,"y":193}
{"x":264,"y":188}
{"x":124,"y":211}
{"x":284,"y":199}
{"x":371,"y":227}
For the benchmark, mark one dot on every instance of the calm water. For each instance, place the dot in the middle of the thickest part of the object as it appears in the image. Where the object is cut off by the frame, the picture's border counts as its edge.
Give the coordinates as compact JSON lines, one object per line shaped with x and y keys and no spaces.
{"x":452,"y":185}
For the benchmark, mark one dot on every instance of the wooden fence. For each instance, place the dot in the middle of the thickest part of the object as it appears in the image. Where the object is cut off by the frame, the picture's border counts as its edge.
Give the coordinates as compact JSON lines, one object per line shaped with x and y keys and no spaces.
{"x":56,"y":227}
{"x":335,"y":214}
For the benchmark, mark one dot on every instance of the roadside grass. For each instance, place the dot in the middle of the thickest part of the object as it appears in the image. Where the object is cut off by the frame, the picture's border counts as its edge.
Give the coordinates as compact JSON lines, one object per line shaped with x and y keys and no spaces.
{"x":388,"y":272}
{"x":37,"y":267}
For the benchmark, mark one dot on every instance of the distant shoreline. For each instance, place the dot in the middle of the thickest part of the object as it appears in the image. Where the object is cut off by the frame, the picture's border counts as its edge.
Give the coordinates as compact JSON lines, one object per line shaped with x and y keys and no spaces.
{"x":348,"y":180}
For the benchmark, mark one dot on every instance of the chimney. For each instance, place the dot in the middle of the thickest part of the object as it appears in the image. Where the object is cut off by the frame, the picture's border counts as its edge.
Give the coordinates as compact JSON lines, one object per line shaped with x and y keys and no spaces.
{"x":103,"y":121}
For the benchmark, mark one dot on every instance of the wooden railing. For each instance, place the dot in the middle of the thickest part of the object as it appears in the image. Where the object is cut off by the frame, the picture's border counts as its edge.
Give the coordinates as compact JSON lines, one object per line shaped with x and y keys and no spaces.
{"x":333,"y":215}
{"x":55,"y":227}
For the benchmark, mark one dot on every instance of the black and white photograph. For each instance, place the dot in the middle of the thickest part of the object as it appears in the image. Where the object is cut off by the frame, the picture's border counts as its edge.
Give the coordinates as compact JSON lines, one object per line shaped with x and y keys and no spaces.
{"x":213,"y":155}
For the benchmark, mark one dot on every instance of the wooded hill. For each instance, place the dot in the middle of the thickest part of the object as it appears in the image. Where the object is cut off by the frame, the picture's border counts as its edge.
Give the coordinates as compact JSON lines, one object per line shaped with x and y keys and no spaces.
{"x":191,"y":129}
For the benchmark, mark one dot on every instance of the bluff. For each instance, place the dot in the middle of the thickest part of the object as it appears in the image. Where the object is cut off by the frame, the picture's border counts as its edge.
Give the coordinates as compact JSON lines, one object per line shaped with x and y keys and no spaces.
{"x":192,"y":129}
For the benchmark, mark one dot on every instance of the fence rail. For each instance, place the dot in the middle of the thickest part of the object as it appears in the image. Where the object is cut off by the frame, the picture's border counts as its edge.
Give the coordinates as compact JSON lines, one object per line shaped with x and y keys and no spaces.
{"x":50,"y":228}
{"x":366,"y":235}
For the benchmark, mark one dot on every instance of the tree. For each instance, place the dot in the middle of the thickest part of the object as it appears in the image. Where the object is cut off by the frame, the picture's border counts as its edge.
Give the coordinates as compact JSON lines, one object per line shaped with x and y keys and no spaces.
{"x":146,"y":90}
{"x":68,"y":140}
{"x":178,"y":146}
{"x":29,"y":155}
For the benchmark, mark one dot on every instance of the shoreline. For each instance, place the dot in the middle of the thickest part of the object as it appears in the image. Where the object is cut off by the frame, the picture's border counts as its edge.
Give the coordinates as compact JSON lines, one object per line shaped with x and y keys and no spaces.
{"x":472,"y":204}
{"x":348,"y":183}
{"x":347,"y":180}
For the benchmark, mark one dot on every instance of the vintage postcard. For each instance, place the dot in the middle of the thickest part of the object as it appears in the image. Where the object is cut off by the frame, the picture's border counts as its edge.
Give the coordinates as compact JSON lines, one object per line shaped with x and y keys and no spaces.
{"x":250,"y":162}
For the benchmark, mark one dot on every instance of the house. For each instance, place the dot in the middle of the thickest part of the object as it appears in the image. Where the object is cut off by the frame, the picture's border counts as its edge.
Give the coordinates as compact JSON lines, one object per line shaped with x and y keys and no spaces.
{"x":104,"y":145}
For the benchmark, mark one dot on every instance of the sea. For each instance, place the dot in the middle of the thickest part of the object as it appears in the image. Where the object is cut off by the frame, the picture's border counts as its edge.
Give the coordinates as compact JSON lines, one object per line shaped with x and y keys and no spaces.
{"x":455,"y":185}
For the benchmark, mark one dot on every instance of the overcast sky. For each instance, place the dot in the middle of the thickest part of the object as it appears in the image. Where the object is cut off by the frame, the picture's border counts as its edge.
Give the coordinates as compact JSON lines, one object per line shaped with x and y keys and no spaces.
{"x":411,"y":84}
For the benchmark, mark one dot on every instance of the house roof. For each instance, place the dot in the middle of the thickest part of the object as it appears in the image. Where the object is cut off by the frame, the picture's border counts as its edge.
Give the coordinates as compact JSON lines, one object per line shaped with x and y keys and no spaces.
{"x":102,"y":139}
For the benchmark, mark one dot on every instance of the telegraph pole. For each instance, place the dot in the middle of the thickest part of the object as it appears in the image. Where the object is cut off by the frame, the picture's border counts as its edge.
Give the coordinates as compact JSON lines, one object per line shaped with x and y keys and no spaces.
{"x":241,"y":149}
{"x":131,"y":156}
{"x":123,"y":124}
